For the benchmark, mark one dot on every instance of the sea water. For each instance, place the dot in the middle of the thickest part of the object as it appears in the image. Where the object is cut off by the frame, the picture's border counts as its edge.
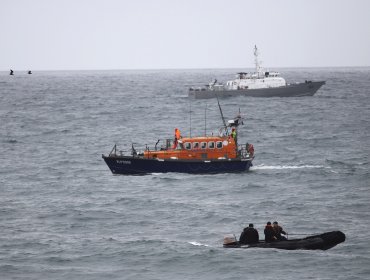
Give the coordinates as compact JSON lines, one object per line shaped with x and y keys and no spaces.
{"x":63,"y":215}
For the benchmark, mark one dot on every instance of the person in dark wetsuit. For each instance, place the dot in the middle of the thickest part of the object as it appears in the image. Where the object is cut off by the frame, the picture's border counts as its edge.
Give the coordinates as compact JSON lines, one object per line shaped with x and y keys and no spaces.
{"x":269,"y":233}
{"x":249,"y":235}
{"x":278,"y":231}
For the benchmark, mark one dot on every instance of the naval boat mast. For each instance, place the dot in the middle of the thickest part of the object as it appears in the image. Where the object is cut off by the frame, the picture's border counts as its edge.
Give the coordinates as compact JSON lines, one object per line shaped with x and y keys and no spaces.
{"x":256,"y":62}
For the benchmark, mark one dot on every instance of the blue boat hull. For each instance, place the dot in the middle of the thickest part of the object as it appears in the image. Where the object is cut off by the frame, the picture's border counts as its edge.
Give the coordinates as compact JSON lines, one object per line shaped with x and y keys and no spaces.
{"x":126,"y":165}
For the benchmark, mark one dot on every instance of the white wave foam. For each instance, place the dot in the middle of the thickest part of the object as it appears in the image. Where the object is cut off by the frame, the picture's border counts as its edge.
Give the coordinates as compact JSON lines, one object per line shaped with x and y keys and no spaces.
{"x":273,"y":167}
{"x":198,"y":244}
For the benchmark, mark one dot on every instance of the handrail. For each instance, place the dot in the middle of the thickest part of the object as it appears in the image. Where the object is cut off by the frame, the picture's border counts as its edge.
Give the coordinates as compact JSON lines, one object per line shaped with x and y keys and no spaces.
{"x":114,"y":149}
{"x":167,"y":148}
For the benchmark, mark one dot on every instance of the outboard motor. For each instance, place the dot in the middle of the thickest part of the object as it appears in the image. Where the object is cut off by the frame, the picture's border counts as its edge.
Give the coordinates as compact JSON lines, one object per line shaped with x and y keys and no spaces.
{"x":230,"y":240}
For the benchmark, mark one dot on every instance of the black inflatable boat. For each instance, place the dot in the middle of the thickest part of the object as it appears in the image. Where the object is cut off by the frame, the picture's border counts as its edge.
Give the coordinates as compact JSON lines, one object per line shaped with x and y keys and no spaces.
{"x":322,"y":241}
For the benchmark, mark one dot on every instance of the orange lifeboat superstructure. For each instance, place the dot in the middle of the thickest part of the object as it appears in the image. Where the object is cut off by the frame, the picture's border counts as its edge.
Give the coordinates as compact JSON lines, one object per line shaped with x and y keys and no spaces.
{"x":201,"y":148}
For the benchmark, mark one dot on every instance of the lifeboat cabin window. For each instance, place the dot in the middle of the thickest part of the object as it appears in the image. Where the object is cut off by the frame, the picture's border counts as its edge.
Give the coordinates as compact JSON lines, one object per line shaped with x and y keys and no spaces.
{"x":211,"y":145}
{"x":187,"y":145}
{"x":195,"y":145}
{"x":203,"y":145}
{"x":219,"y":145}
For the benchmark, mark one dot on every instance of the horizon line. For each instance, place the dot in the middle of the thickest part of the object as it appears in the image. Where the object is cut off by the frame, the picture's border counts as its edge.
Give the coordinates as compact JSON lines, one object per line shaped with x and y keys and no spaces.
{"x":167,"y":69}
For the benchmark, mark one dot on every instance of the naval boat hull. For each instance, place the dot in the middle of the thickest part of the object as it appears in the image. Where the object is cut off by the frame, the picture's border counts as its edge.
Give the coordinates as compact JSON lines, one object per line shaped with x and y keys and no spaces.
{"x":126,"y":165}
{"x":323,"y":241}
{"x":292,"y":90}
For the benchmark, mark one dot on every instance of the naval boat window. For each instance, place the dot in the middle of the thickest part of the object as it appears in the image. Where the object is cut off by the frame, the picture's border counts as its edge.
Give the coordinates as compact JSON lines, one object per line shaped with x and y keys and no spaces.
{"x":195,"y":145}
{"x":219,"y":145}
{"x":187,"y":145}
{"x":211,"y":145}
{"x":203,"y":145}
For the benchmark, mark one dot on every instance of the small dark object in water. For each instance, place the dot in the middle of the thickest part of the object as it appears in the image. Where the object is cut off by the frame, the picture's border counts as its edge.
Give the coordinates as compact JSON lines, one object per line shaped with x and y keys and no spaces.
{"x":29,"y":72}
{"x":11,"y":72}
{"x":323,"y":241}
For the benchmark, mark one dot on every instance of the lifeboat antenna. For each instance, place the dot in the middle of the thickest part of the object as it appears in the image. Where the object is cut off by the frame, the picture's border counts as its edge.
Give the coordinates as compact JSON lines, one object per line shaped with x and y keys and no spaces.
{"x":205,"y":121}
{"x":190,"y":117}
{"x":222,"y":116}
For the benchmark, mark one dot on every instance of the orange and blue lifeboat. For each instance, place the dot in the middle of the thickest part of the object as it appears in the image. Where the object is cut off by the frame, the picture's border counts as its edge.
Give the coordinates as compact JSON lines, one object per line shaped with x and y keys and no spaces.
{"x":197,"y":155}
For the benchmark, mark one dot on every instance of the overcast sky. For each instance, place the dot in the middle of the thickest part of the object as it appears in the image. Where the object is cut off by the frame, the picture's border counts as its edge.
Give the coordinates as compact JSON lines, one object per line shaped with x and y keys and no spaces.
{"x":161,"y":34}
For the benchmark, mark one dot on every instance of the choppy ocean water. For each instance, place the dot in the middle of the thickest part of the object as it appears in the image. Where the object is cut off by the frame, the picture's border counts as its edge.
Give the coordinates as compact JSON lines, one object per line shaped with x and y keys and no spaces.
{"x":63,"y":215}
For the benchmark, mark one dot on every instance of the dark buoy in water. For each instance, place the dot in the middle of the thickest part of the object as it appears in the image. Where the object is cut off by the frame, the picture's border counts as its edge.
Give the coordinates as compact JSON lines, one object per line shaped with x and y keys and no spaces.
{"x":29,"y":72}
{"x":11,"y":72}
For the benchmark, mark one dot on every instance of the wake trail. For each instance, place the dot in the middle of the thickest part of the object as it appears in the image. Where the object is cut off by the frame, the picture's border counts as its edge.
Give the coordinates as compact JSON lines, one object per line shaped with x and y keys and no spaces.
{"x":280,"y":167}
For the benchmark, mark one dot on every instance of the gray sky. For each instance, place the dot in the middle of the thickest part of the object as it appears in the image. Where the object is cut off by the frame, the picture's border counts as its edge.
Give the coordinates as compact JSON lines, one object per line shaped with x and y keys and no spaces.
{"x":161,"y":34}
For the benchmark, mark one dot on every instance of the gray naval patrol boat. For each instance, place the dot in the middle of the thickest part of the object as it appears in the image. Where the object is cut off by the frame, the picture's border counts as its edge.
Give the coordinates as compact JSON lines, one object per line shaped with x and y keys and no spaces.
{"x":260,"y":83}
